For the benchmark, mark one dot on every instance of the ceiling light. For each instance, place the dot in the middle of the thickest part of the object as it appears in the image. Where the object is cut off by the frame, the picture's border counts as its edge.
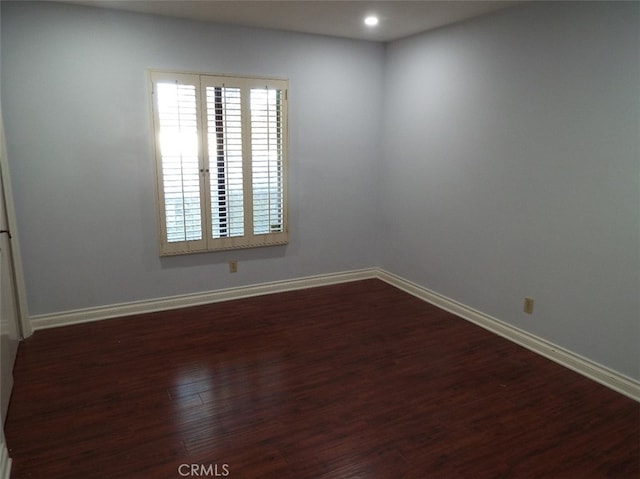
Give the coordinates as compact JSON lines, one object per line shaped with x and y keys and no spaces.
{"x":371,"y":21}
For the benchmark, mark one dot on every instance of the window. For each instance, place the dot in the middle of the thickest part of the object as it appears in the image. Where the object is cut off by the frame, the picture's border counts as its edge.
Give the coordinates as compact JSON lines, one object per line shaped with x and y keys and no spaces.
{"x":221,"y":161}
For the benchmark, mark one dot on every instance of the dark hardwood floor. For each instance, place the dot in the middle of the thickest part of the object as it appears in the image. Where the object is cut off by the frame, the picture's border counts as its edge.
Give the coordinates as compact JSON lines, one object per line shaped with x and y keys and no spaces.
{"x":357,"y":380}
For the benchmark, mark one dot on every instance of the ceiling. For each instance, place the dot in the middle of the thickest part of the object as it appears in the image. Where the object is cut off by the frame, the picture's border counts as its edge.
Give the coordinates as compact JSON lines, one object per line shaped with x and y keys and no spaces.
{"x":341,"y":18}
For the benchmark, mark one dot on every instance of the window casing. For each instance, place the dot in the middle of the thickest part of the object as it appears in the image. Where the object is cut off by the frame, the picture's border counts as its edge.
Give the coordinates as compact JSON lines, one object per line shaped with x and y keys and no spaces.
{"x":221,"y":161}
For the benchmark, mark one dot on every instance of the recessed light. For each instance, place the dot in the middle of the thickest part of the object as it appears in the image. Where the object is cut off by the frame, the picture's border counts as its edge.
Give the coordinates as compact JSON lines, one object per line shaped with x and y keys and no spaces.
{"x":371,"y":21}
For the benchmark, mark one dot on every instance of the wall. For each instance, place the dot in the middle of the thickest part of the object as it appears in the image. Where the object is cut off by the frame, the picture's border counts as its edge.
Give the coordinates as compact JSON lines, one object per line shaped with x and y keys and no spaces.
{"x":512,"y":169}
{"x":75,"y":98}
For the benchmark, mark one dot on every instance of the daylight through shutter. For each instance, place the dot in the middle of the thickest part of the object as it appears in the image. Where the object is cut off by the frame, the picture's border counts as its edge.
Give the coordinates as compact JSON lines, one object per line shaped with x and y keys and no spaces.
{"x":178,"y":137}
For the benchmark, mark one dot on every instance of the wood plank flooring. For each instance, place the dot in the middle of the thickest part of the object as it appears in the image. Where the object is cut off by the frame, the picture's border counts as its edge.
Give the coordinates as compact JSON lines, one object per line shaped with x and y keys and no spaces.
{"x":357,"y":380}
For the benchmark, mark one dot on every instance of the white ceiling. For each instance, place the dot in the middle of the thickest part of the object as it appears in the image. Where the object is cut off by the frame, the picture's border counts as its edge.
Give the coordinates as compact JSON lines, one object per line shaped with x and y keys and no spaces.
{"x":342,"y":18}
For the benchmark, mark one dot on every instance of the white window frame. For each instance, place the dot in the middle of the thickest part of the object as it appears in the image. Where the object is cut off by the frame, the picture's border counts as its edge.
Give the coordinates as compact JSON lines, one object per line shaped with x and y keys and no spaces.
{"x":277,"y":234}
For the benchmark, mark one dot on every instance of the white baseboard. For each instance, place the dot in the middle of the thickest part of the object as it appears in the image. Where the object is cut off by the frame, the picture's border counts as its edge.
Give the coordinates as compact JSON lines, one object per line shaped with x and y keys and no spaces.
{"x":601,"y":374}
{"x":54,"y":320}
{"x":5,"y":461}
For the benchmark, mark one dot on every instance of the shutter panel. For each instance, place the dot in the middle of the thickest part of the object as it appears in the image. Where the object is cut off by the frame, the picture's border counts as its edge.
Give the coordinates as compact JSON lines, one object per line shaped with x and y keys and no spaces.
{"x":224,"y":130}
{"x":178,"y":141}
{"x":267,"y":160}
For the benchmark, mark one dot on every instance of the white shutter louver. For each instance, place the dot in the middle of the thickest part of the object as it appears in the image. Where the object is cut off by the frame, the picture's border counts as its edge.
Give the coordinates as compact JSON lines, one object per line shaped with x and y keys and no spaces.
{"x":180,"y":165}
{"x":267,"y":160}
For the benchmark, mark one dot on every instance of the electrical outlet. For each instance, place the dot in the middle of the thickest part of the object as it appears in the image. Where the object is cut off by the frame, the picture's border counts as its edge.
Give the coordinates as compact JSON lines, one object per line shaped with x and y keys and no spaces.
{"x":233,"y":266}
{"x":528,"y":305}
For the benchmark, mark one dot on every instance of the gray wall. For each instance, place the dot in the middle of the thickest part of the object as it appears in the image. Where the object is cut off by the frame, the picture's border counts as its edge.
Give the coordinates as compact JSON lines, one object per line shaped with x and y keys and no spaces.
{"x":512,"y":169}
{"x":489,"y":160}
{"x":75,"y":99}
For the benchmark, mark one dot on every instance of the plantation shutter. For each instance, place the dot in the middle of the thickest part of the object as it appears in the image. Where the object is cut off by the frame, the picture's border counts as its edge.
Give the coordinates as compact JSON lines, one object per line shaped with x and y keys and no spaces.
{"x":178,"y":144}
{"x":224,"y":128}
{"x":266,"y":160}
{"x":268,"y":118}
{"x":221,"y":161}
